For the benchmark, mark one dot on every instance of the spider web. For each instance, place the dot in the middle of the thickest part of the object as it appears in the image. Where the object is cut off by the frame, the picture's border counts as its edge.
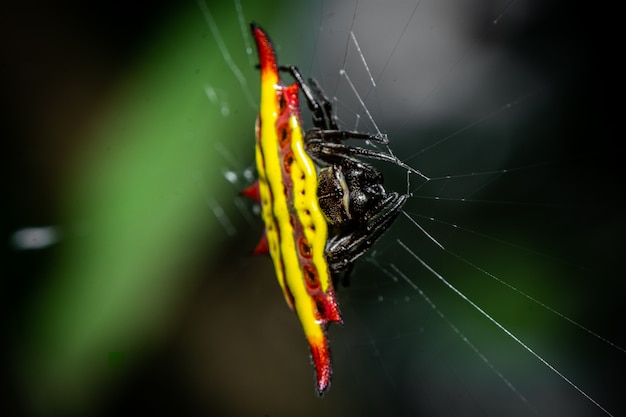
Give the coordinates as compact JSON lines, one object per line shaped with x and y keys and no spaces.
{"x":494,"y":292}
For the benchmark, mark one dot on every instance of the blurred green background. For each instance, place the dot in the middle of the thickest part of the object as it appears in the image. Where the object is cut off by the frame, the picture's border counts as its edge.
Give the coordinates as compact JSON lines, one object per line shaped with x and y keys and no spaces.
{"x":128,"y":137}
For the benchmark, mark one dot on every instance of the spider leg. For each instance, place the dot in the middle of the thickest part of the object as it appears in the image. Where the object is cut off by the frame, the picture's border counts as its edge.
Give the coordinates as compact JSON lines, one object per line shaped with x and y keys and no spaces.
{"x":342,"y":251}
{"x":326,"y":104}
{"x":319,"y":111}
{"x":341,"y":135}
{"x":332,"y":152}
{"x":322,"y":145}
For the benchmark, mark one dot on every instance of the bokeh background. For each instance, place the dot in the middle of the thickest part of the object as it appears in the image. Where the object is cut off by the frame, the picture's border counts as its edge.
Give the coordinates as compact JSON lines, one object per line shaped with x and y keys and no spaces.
{"x":126,"y":280}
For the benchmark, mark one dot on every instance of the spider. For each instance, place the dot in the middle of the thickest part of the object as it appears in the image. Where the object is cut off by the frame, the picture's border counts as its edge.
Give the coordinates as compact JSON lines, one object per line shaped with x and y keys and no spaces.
{"x":318,"y":219}
{"x":350,"y":192}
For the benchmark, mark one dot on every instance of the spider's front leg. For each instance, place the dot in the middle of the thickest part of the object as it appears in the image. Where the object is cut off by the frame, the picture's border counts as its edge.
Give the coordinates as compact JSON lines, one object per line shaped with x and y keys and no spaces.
{"x":324,"y":146}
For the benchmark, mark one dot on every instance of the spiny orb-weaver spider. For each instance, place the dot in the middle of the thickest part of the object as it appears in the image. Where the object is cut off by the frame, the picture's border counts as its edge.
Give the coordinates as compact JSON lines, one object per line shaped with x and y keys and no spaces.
{"x":321,"y":205}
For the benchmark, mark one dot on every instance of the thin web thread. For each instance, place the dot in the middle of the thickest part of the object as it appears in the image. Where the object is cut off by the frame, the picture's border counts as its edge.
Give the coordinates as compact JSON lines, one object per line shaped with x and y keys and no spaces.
{"x":459,"y":333}
{"x":501,"y":327}
{"x":506,"y":284}
{"x":208,"y":16}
